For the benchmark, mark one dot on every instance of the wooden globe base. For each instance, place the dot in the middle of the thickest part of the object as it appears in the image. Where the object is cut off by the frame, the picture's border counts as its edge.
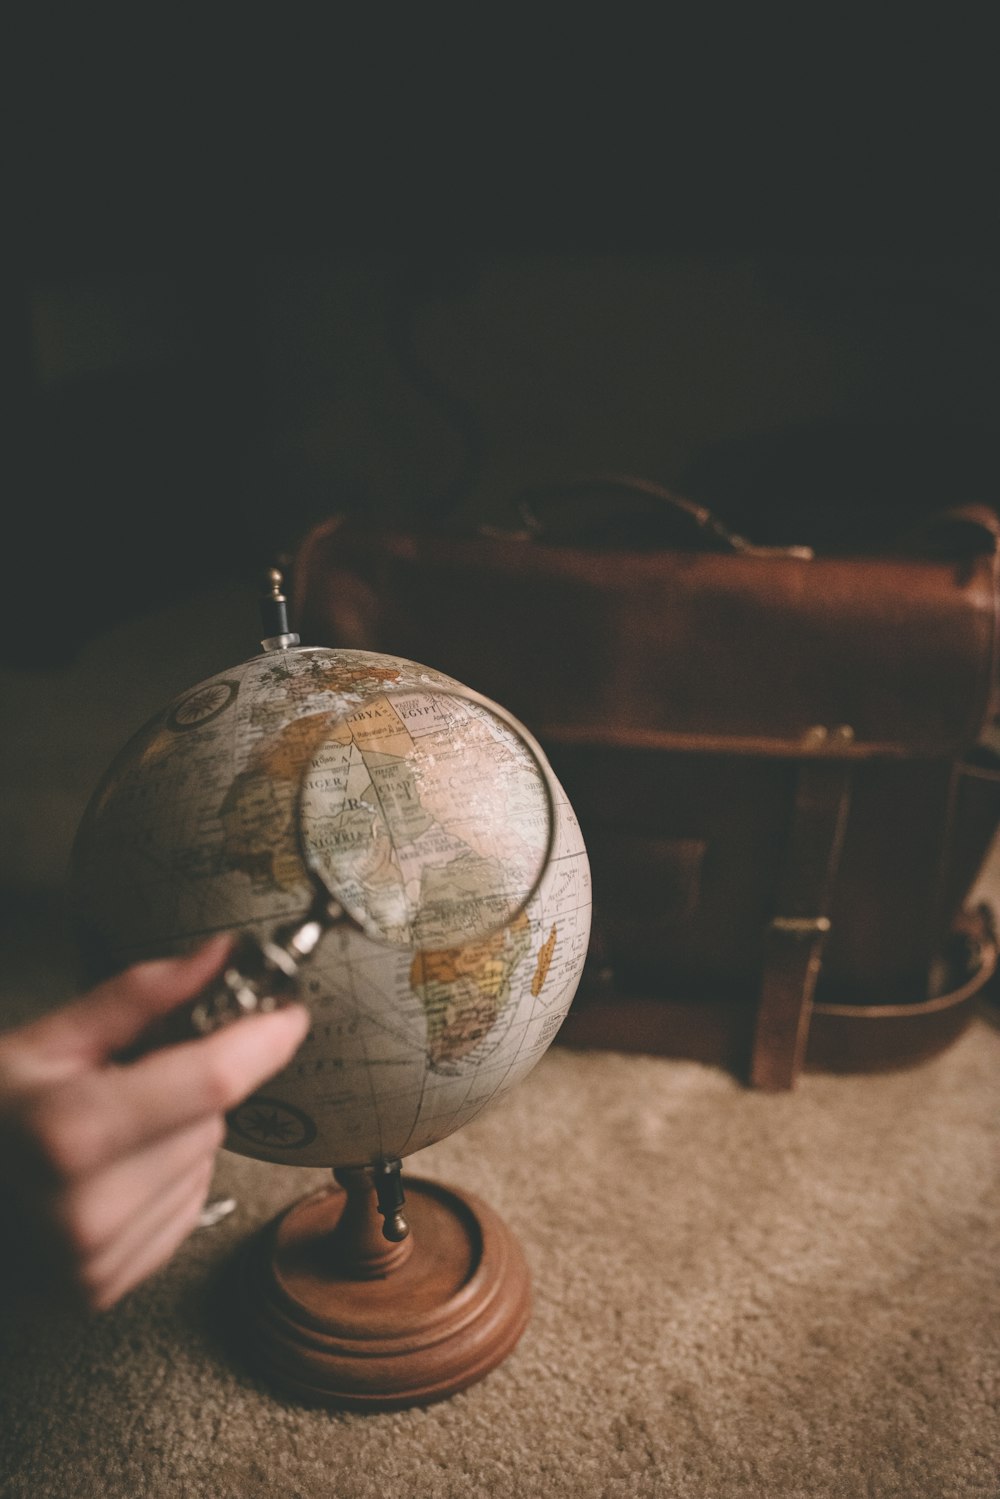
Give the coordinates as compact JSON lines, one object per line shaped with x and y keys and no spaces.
{"x":332,"y":1313}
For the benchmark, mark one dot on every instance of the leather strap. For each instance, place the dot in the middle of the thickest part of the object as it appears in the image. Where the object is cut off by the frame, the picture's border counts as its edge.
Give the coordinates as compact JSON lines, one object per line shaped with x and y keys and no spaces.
{"x":842,"y":1037}
{"x":793,"y":947}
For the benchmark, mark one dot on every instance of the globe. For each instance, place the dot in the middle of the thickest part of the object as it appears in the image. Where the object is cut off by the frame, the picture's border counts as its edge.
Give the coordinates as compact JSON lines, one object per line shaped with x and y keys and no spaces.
{"x":192,"y":831}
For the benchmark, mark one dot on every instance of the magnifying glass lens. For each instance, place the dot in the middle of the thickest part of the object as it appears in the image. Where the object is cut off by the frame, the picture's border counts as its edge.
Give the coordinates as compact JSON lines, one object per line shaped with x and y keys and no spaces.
{"x":428,"y":817}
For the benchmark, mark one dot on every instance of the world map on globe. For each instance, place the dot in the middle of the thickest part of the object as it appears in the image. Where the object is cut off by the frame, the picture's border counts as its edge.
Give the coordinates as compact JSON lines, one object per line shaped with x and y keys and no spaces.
{"x":195,"y":829}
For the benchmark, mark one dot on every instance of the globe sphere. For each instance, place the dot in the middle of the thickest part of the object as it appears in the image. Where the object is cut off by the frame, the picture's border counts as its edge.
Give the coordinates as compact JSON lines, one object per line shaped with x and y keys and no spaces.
{"x":192,"y":831}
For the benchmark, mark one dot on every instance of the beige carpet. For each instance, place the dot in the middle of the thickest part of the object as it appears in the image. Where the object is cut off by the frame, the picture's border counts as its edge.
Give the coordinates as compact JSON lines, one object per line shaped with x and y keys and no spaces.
{"x":735,"y":1295}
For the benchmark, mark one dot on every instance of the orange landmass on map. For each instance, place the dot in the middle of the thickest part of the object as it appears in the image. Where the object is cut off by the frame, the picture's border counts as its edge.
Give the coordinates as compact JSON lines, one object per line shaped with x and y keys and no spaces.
{"x":258,"y":809}
{"x":545,"y":952}
{"x":464,"y":989}
{"x":259,"y":806}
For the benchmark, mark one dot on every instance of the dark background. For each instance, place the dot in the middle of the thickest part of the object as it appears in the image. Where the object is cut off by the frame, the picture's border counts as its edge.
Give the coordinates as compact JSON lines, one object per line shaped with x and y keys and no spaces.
{"x":268,"y":268}
{"x":184,"y":419}
{"x":262,"y":269}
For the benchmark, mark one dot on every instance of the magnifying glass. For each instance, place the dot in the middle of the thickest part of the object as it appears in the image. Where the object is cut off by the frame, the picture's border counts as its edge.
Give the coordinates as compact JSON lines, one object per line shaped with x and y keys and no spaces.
{"x":423,"y":818}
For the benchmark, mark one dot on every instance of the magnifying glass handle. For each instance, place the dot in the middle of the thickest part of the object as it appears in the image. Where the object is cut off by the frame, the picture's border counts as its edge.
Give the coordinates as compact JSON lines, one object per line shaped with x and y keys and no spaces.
{"x":259,"y":976}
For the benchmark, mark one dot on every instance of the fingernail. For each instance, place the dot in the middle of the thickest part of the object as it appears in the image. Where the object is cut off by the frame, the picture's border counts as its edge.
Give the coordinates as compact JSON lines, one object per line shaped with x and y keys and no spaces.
{"x":304,"y":1016}
{"x":214,"y":947}
{"x":295,"y":1017}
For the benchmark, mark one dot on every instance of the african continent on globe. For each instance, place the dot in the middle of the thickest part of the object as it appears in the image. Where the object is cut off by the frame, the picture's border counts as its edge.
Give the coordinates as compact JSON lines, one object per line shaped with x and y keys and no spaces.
{"x":193,"y":830}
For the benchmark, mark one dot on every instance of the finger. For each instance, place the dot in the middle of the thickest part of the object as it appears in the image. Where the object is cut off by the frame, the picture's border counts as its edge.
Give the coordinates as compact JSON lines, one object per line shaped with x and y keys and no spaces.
{"x":145,"y":1243}
{"x":94,"y":1211}
{"x":112,"y":1015}
{"x":99,"y":1117}
{"x":154,"y":1256}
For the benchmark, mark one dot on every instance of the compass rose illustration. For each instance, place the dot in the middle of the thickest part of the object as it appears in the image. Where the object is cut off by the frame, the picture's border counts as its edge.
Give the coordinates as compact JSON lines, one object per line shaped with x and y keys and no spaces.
{"x":265,"y":1121}
{"x":202,"y":705}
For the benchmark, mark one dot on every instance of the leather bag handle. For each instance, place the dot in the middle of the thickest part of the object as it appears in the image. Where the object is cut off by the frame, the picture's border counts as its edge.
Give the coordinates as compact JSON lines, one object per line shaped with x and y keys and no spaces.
{"x":957,"y":531}
{"x":694,"y":524}
{"x":953,"y":531}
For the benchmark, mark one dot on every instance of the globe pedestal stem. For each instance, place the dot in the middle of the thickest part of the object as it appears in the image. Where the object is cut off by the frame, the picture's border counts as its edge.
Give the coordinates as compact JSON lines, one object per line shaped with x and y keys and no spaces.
{"x":334,"y":1314}
{"x":358,"y":1246}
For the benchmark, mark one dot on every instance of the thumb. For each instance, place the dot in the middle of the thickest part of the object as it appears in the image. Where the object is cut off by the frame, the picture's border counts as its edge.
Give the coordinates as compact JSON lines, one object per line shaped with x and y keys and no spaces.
{"x":93,"y":1028}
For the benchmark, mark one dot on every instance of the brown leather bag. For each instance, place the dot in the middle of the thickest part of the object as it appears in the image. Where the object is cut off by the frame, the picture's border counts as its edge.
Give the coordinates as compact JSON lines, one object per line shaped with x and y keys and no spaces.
{"x":776,"y":758}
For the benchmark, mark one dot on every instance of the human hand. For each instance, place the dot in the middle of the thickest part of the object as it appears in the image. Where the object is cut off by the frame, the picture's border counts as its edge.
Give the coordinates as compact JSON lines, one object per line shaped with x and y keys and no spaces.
{"x":104,"y":1167}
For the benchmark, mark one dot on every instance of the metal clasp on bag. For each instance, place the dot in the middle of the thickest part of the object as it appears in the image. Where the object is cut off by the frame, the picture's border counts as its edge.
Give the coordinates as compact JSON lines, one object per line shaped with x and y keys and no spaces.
{"x":829,"y":741}
{"x":801,"y":926}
